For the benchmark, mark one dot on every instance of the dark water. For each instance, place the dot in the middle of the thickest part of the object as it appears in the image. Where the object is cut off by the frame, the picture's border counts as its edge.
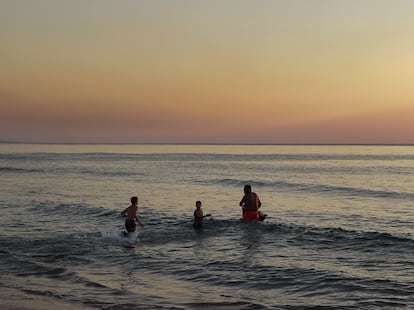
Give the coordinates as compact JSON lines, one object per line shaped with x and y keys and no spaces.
{"x":339,"y":232}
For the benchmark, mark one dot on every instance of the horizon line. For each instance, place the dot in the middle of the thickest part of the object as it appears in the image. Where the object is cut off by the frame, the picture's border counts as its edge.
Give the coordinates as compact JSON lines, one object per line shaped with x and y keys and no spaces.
{"x":207,"y":143}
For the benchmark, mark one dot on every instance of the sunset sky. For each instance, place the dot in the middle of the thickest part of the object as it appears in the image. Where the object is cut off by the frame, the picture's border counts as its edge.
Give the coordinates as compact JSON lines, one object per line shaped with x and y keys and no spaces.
{"x":213,"y":71}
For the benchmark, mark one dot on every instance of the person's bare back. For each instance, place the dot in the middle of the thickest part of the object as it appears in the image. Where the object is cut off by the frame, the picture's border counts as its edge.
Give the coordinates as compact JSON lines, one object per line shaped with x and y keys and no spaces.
{"x":131,"y":214}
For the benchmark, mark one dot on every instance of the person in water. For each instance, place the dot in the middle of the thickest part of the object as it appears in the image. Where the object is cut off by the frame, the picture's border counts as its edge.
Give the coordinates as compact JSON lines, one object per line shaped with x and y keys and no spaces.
{"x":250,"y":204}
{"x":131,"y":214}
{"x":198,"y":215}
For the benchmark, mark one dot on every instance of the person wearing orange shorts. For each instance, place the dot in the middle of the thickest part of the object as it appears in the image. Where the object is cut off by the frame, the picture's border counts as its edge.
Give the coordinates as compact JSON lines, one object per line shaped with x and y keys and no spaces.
{"x":250,"y":204}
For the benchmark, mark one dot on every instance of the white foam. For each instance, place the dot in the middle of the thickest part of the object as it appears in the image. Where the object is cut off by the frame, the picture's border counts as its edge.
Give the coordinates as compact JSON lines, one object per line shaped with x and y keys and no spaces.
{"x":114,"y":233}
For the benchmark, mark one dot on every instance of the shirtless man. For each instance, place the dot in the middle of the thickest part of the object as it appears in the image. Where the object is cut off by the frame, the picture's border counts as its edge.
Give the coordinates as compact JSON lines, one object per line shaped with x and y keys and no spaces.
{"x":131,"y":214}
{"x":250,"y":204}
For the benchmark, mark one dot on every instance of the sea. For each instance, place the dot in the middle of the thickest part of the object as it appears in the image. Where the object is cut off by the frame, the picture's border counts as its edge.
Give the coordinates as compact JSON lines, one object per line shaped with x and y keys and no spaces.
{"x":338,"y":234}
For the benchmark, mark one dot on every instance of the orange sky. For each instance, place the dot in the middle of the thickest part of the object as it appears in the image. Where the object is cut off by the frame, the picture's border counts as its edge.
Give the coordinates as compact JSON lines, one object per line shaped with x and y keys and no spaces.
{"x":207,"y":71}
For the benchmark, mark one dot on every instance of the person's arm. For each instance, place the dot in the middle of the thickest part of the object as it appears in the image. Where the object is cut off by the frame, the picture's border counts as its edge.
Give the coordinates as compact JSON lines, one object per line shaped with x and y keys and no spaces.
{"x":123,"y":213}
{"x":207,"y":215}
{"x":257,"y":199}
{"x":242,"y":201}
{"x":136,"y":218}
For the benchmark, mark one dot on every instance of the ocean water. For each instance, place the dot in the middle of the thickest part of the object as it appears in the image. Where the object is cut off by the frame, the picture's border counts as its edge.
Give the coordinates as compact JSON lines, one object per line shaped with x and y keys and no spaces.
{"x":339,"y":232}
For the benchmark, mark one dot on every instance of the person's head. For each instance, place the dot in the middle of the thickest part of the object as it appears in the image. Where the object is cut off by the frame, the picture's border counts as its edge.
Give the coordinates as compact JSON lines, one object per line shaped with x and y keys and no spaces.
{"x":134,"y":200}
{"x":198,"y":204}
{"x":247,"y":189}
